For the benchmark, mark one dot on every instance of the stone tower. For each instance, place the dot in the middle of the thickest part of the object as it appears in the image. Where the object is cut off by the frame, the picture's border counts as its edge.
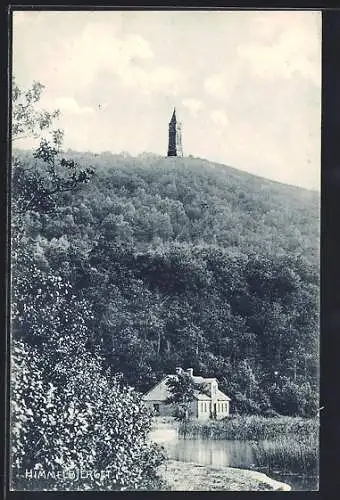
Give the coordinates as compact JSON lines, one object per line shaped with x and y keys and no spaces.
{"x":175,"y":137}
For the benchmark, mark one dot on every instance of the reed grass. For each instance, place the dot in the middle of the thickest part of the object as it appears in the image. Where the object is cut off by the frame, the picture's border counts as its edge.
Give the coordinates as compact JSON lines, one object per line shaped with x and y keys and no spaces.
{"x":288,"y":454}
{"x":251,"y":428}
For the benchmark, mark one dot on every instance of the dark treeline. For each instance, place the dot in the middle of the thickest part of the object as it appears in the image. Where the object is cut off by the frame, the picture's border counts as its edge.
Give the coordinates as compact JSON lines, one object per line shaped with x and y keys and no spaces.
{"x":189,"y":263}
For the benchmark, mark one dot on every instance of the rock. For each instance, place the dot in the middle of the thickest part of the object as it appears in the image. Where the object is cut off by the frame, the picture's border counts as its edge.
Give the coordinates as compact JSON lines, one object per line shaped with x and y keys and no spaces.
{"x":185,"y":476}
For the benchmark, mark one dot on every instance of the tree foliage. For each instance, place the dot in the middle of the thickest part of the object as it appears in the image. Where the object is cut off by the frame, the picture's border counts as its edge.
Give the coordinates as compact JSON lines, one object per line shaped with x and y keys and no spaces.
{"x":36,"y":187}
{"x":27,"y":120}
{"x":182,"y":393}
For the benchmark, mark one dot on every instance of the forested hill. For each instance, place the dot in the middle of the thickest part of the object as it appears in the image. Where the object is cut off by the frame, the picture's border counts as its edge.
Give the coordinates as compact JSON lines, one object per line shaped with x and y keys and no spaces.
{"x":190,"y":263}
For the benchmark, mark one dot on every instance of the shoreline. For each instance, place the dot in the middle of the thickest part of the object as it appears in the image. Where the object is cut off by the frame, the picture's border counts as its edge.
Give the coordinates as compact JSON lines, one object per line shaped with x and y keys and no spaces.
{"x":189,"y":476}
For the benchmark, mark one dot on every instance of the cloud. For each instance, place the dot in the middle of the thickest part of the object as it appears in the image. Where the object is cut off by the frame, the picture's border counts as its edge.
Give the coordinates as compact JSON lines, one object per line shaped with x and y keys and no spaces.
{"x":268,"y":25}
{"x":219,"y":117}
{"x":98,"y":49}
{"x":220,"y":121}
{"x":135,"y":45}
{"x":288,"y":44}
{"x":83,"y":55}
{"x":70,"y":105}
{"x":281,"y":45}
{"x":159,"y":79}
{"x":99,"y":44}
{"x":214,"y":85}
{"x":194,"y":105}
{"x":222,"y":85}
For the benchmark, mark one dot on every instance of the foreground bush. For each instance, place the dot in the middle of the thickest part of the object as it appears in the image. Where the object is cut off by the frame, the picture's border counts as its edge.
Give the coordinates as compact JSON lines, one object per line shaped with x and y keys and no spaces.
{"x":78,"y":428}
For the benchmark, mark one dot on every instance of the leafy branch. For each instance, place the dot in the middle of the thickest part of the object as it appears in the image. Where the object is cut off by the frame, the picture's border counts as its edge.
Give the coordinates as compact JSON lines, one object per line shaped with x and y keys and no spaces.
{"x":36,"y":188}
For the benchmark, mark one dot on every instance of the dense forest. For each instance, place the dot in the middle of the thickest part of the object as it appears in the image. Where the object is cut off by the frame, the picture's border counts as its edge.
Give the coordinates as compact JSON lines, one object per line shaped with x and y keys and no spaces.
{"x":184,"y":262}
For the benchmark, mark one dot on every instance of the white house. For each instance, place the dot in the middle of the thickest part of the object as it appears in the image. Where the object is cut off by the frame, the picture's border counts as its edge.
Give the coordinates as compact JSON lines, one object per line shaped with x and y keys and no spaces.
{"x":208,"y":403}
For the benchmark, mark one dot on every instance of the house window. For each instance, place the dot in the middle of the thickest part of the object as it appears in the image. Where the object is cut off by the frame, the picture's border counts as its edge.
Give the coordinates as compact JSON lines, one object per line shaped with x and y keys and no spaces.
{"x":205,"y":407}
{"x":218,"y":406}
{"x":201,"y":407}
{"x":156,"y":408}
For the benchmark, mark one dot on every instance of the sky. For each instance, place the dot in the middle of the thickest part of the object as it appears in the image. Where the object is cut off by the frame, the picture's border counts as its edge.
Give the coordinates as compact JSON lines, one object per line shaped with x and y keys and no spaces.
{"x":246,"y":84}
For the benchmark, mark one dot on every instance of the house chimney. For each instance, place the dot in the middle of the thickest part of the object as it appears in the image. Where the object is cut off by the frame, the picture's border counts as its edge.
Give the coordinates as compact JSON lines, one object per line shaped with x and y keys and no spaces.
{"x":178,"y":371}
{"x":190,"y":372}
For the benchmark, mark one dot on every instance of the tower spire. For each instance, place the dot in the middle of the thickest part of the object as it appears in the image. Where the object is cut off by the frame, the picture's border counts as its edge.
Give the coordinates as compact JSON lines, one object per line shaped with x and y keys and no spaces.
{"x":173,"y":118}
{"x":175,"y":136}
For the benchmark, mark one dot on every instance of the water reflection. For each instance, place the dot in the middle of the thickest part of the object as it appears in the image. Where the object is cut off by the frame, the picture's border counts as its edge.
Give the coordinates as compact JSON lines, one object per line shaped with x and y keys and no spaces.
{"x":164,"y":435}
{"x":212,"y":452}
{"x":222,"y":452}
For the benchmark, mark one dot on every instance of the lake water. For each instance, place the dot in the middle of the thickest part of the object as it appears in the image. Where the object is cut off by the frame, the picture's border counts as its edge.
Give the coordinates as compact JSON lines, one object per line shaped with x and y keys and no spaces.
{"x":222,"y":452}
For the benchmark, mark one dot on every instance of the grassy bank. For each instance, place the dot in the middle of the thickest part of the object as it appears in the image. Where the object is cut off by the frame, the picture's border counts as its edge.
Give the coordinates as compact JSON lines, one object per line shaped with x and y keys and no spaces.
{"x":185,"y":476}
{"x":252,"y":428}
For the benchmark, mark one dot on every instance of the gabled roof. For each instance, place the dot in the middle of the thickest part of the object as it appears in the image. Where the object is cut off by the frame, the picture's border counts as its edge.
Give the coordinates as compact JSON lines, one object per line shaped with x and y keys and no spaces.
{"x":205,"y":397}
{"x":221,"y":396}
{"x":201,"y":396}
{"x":160,"y":392}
